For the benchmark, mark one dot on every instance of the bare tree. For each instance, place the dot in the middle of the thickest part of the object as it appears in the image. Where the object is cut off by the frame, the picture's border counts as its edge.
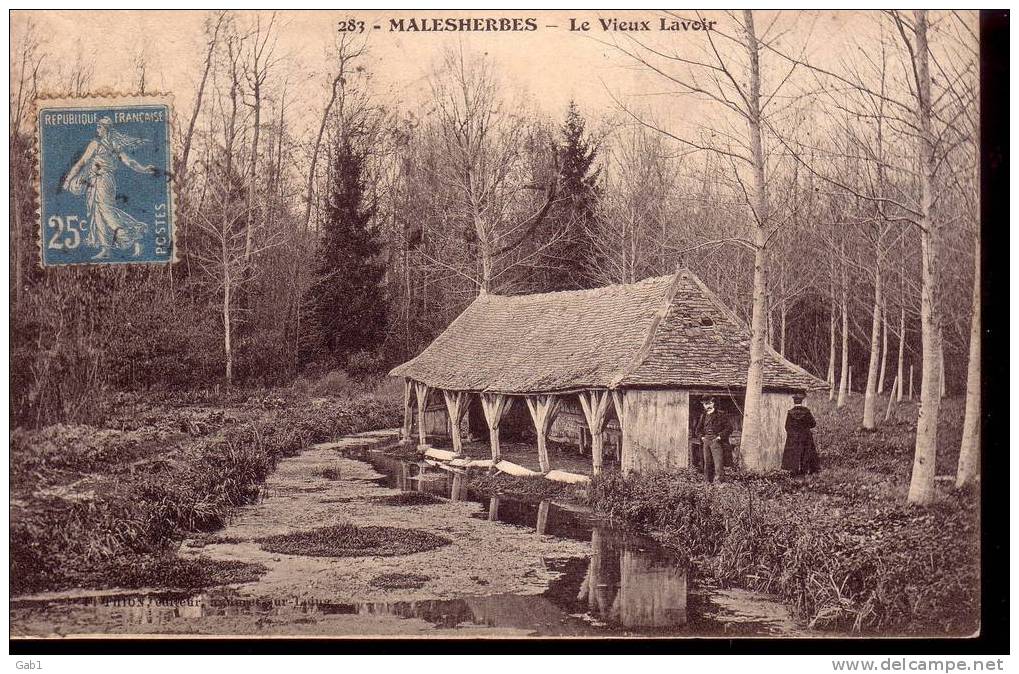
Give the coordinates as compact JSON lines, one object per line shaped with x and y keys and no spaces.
{"x":483,"y":167}
{"x":256,"y":72}
{"x":348,"y":51}
{"x":729,"y":77}
{"x":929,"y":124}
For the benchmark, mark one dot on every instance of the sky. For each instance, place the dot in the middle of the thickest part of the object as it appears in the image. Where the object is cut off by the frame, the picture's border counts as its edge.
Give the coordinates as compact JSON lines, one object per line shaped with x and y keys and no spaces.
{"x":552,"y":64}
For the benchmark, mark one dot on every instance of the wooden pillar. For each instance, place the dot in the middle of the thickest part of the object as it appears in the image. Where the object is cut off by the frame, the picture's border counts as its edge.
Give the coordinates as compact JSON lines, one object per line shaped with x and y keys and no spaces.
{"x":543,"y":409}
{"x":456,"y":407}
{"x":493,"y":509}
{"x":619,"y":403}
{"x":408,"y":412}
{"x":595,"y":405}
{"x":495,"y":405}
{"x":421,"y":389}
{"x":542,"y":523}
{"x":458,"y":492}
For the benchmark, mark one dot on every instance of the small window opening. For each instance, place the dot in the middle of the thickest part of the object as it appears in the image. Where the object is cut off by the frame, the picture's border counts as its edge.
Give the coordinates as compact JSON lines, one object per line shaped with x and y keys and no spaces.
{"x":706,"y":322}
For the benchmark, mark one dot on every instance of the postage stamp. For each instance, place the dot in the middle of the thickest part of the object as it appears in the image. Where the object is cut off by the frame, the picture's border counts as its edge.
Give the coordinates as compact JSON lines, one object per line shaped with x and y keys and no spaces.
{"x":105,"y":194}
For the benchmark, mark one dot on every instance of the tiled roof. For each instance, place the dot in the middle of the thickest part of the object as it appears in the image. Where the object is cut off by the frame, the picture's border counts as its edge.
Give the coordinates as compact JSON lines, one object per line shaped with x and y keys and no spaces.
{"x":667,"y":331}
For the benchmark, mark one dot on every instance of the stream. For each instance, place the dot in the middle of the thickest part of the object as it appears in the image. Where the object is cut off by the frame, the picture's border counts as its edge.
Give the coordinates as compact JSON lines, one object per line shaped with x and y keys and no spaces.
{"x":513,"y":568}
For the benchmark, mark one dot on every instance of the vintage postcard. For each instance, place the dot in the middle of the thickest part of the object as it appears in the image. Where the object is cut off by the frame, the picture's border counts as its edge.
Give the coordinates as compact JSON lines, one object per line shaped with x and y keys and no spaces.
{"x":522,"y":324}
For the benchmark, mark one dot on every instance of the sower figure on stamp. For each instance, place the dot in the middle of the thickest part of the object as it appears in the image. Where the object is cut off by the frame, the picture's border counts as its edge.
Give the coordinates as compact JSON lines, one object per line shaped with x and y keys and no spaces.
{"x":95,"y":174}
{"x":713,"y":428}
{"x":800,"y":453}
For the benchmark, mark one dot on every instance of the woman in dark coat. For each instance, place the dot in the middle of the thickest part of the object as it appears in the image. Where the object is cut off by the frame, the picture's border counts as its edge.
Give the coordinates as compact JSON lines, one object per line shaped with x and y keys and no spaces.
{"x":800,"y":454}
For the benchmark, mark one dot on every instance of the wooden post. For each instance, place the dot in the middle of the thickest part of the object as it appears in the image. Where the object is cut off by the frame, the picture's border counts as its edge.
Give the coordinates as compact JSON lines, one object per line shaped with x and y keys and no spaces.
{"x":495,"y":405}
{"x":850,"y":392}
{"x":595,"y":405}
{"x":911,"y":382}
{"x":456,"y":407}
{"x":618,"y":403}
{"x":421,"y":389}
{"x":542,"y":523}
{"x":543,"y":409}
{"x":458,"y":492}
{"x":493,"y":509}
{"x":408,"y":413}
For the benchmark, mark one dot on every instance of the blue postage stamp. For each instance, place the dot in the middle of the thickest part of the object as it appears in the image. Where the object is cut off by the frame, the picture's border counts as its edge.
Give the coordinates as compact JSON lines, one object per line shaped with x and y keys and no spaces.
{"x":105,"y":194}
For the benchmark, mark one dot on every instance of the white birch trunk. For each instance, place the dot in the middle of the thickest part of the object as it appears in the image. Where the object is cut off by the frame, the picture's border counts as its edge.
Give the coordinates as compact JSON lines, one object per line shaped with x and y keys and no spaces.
{"x":751,"y":439}
{"x":831,"y":348}
{"x":902,"y":354}
{"x":844,"y":373}
{"x":969,"y":451}
{"x":870,"y":394}
{"x":921,"y":486}
{"x":884,"y":351}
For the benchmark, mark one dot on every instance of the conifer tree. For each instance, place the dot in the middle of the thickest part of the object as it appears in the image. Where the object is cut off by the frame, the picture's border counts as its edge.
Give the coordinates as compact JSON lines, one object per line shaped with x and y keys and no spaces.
{"x":578,"y":190}
{"x":348,"y":301}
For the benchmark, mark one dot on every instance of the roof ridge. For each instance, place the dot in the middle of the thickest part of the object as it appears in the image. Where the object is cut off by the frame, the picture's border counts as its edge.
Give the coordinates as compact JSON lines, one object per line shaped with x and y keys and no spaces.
{"x":600,"y":290}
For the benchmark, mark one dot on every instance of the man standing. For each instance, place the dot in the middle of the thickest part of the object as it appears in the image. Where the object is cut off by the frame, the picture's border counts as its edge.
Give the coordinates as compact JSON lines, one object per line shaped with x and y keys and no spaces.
{"x":713,"y":428}
{"x":800,"y":453}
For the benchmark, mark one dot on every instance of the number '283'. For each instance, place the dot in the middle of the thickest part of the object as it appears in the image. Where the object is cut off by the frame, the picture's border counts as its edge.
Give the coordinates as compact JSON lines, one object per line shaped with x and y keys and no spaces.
{"x":350,"y":26}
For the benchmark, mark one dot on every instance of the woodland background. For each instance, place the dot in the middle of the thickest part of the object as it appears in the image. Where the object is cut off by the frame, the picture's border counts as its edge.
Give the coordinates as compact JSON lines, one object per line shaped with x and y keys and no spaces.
{"x":348,"y":240}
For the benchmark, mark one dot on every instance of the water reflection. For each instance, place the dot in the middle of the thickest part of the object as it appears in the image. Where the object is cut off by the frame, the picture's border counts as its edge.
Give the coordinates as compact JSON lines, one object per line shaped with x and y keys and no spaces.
{"x":628,"y":584}
{"x":629,"y":580}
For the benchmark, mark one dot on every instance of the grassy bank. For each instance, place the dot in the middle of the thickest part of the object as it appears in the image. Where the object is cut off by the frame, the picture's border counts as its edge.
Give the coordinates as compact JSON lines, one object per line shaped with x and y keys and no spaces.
{"x":842,"y":547}
{"x":89,"y":502}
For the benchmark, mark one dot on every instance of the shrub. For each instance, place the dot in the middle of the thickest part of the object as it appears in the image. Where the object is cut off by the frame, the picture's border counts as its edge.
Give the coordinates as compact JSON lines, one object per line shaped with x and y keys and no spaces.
{"x":365,"y":364}
{"x":842,"y":548}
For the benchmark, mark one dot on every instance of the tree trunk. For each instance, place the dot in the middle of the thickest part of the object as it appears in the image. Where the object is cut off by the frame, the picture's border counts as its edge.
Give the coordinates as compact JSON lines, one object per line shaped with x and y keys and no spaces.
{"x":751,"y":439}
{"x":227,"y":347}
{"x":870,"y":395}
{"x":921,"y":486}
{"x":485,"y":251}
{"x":969,"y":450}
{"x":317,"y":145}
{"x":831,"y":347}
{"x":943,"y":390}
{"x":253,"y":170}
{"x":408,"y":412}
{"x":782,"y":326}
{"x":891,"y":400}
{"x":844,"y":373}
{"x":902,"y":354}
{"x":884,"y":350}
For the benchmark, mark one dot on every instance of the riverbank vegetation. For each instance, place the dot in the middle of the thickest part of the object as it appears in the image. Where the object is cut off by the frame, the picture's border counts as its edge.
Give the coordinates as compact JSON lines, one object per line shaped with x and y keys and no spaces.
{"x":842,"y":547}
{"x":88,"y":501}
